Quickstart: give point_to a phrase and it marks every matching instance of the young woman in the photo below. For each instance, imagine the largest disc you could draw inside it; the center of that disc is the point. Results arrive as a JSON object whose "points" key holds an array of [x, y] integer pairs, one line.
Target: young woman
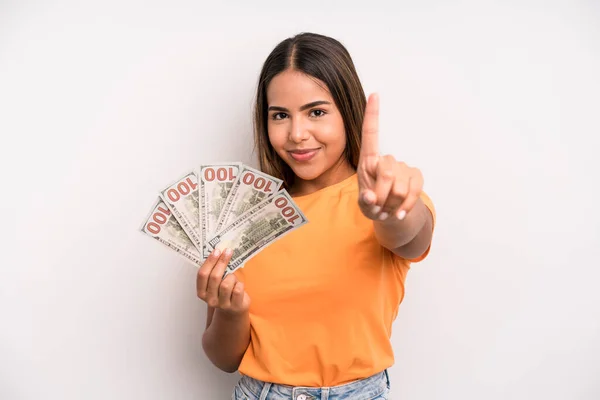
{"points": [[310, 317]]}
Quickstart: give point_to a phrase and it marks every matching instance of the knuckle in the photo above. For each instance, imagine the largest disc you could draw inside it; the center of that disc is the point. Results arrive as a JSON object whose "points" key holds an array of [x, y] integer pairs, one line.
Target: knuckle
{"points": [[215, 279], [225, 287], [398, 192], [204, 275], [387, 174], [399, 189]]}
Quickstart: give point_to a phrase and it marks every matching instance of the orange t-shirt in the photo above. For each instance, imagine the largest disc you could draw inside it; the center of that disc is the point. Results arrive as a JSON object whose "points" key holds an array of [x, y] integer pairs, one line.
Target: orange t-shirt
{"points": [[323, 297]]}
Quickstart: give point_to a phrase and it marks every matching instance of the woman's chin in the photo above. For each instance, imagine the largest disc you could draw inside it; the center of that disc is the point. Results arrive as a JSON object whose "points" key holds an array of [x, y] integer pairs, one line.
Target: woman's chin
{"points": [[307, 173]]}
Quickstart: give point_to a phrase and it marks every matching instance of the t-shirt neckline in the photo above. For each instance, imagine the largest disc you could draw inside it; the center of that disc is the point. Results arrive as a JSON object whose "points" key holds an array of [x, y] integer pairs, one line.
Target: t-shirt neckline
{"points": [[339, 185]]}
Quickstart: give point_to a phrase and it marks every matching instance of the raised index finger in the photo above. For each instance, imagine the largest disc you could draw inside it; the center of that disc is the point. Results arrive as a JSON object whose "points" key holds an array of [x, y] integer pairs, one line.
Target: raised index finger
{"points": [[370, 130]]}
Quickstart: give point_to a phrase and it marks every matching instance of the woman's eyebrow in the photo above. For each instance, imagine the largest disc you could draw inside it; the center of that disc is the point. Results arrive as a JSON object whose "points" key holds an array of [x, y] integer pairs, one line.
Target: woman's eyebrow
{"points": [[304, 107]]}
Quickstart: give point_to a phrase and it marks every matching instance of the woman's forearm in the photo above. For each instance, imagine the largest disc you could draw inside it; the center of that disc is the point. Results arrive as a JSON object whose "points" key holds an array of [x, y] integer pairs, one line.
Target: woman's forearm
{"points": [[226, 339]]}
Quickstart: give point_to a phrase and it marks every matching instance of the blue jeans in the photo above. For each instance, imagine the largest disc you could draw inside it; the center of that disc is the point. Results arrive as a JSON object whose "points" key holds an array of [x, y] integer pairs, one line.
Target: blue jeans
{"points": [[371, 388]]}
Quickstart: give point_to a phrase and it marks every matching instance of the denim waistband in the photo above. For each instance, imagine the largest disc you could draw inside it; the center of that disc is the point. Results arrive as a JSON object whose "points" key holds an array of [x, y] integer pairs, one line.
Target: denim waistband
{"points": [[360, 389]]}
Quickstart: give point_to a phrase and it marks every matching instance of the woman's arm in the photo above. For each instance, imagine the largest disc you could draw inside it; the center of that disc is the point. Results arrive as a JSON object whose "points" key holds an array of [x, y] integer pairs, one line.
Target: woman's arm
{"points": [[226, 338], [227, 333], [389, 194], [408, 238]]}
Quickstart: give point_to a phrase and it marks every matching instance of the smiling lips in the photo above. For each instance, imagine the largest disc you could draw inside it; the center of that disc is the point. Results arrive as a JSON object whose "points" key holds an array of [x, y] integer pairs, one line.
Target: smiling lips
{"points": [[303, 155]]}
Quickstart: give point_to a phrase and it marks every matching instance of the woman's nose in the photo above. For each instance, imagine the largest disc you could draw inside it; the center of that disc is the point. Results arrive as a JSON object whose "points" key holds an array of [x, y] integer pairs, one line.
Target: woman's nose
{"points": [[298, 131]]}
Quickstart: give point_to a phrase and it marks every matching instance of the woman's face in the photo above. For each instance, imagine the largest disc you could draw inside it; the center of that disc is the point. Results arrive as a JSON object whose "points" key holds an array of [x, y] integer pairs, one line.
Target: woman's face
{"points": [[305, 127]]}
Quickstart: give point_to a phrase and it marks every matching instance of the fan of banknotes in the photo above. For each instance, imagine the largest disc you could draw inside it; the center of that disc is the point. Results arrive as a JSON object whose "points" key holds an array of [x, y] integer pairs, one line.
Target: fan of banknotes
{"points": [[222, 205]]}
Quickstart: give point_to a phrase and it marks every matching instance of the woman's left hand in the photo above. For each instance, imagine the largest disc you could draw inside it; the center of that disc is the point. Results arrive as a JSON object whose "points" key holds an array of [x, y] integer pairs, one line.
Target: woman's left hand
{"points": [[387, 188]]}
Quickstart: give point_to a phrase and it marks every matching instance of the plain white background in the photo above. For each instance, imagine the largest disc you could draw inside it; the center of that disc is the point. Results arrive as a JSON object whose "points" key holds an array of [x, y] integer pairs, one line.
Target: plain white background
{"points": [[104, 103]]}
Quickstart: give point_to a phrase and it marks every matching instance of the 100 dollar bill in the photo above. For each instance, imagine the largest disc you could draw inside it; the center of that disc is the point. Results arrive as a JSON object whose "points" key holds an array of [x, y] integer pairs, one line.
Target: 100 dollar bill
{"points": [[250, 188], [216, 181], [257, 228], [181, 198], [161, 225]]}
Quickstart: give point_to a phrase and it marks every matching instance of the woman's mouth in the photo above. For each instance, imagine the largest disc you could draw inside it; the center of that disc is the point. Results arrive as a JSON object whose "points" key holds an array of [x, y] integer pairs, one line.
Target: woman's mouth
{"points": [[303, 155]]}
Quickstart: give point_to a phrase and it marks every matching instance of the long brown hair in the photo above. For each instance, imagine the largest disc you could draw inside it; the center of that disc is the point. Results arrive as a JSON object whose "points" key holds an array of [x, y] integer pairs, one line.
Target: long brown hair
{"points": [[323, 58]]}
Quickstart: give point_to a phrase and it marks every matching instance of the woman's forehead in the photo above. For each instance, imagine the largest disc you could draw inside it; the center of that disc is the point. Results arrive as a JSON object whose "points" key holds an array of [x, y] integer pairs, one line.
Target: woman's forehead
{"points": [[293, 86]]}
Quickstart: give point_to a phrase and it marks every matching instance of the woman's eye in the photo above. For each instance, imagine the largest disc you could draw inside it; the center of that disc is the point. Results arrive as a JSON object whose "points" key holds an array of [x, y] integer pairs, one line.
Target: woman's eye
{"points": [[317, 113], [279, 115]]}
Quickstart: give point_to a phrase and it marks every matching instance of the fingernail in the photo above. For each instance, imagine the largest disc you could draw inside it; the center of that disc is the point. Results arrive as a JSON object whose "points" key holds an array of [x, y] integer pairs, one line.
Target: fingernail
{"points": [[401, 214], [228, 252], [217, 252], [375, 209], [383, 216]]}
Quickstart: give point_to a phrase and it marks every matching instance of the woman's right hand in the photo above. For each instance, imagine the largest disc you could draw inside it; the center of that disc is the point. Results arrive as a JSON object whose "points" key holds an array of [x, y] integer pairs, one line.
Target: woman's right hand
{"points": [[226, 294]]}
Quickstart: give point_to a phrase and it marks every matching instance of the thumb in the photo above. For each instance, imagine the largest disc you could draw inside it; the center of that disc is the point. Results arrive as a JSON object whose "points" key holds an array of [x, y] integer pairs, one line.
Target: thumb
{"points": [[367, 197]]}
